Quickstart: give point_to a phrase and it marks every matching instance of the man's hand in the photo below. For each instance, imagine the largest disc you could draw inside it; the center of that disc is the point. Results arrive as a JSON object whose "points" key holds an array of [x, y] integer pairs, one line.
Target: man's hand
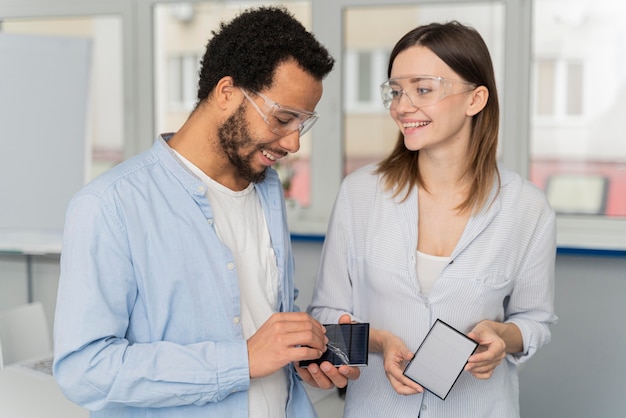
{"points": [[326, 375], [284, 338]]}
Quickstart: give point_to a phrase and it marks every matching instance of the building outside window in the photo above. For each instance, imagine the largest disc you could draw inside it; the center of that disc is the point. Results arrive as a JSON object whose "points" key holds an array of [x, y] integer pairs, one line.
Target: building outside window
{"points": [[577, 143]]}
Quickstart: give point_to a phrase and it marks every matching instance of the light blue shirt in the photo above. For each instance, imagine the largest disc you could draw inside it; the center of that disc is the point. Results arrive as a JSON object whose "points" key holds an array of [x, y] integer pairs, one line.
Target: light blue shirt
{"points": [[148, 311], [502, 269]]}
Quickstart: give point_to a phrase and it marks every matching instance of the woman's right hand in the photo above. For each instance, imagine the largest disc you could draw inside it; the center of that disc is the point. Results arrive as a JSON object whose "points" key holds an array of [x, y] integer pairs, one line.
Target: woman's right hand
{"points": [[396, 355]]}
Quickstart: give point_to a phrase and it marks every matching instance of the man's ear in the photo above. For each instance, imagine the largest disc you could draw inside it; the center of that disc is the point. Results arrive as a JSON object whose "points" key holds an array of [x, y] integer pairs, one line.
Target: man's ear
{"points": [[480, 95], [224, 93]]}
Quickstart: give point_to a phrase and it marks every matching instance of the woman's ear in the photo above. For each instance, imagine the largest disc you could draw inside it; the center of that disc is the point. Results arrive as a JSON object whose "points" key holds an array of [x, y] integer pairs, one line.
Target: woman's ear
{"points": [[223, 93], [480, 95]]}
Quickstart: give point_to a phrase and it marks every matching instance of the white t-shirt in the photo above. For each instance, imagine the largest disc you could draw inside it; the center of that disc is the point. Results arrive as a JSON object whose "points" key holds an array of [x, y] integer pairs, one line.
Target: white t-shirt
{"points": [[428, 268], [240, 225]]}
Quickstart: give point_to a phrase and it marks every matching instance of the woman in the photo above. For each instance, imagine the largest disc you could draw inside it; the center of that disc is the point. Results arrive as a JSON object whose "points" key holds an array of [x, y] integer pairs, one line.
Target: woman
{"points": [[438, 231]]}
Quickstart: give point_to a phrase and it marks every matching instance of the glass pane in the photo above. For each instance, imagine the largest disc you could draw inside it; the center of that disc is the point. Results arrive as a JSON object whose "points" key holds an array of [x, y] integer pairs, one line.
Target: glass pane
{"points": [[545, 90], [575, 88], [105, 128], [371, 32], [365, 77], [578, 147], [181, 32]]}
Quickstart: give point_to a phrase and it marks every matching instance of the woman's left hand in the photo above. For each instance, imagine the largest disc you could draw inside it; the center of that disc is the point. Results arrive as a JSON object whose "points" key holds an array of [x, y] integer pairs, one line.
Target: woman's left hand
{"points": [[490, 352]]}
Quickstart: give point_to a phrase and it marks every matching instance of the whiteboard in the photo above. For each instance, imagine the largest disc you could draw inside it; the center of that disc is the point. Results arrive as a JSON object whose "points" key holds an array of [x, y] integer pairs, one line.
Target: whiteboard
{"points": [[43, 108]]}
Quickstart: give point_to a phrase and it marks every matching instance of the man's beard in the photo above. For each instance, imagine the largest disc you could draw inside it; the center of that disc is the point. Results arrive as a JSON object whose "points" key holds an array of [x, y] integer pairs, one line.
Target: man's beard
{"points": [[234, 137]]}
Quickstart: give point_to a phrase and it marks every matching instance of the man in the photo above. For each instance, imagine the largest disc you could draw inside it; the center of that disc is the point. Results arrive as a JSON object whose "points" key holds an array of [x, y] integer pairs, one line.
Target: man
{"points": [[176, 290]]}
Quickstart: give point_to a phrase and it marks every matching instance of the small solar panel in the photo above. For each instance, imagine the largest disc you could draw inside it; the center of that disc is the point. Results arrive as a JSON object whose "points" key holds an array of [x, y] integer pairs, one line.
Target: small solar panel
{"points": [[348, 344]]}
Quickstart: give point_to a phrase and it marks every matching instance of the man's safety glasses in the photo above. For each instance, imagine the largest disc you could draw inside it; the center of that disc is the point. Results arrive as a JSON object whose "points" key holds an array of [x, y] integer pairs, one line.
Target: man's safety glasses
{"points": [[282, 120], [420, 90]]}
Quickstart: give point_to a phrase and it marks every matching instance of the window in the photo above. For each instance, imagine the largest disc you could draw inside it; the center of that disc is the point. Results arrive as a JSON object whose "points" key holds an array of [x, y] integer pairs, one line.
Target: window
{"points": [[370, 33], [561, 69], [544, 102], [559, 89], [182, 76], [574, 88], [560, 64], [363, 72], [105, 129], [577, 147]]}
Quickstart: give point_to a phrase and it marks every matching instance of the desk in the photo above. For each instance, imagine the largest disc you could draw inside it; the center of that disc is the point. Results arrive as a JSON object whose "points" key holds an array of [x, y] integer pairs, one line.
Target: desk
{"points": [[29, 243], [29, 394]]}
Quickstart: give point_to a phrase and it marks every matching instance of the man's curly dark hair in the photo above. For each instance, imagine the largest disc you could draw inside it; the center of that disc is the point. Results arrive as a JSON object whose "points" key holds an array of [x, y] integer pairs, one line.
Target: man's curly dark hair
{"points": [[250, 47]]}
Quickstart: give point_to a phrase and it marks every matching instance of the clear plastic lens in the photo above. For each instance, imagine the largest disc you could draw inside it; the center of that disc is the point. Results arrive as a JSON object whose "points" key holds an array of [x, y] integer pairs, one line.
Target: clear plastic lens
{"points": [[283, 120], [287, 121], [420, 91]]}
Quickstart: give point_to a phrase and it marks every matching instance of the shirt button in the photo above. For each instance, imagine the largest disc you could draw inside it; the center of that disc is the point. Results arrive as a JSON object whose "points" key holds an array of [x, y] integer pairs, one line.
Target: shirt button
{"points": [[201, 189], [231, 266], [236, 320], [210, 221], [424, 407]]}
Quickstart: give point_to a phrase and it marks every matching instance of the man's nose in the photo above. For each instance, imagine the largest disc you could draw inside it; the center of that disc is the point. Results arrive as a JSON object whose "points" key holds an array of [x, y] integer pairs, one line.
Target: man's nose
{"points": [[291, 142]]}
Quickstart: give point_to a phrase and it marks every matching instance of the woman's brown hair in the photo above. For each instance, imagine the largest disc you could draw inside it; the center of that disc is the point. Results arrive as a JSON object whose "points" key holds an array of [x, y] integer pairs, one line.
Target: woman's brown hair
{"points": [[465, 52]]}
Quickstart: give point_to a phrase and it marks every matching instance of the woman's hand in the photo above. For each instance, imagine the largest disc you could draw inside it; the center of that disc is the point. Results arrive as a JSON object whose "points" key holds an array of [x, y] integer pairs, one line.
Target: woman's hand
{"points": [[496, 339], [396, 355]]}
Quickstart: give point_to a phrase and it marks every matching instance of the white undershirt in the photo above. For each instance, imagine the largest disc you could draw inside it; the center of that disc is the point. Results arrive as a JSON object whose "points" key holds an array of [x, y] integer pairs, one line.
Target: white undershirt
{"points": [[240, 225], [428, 268]]}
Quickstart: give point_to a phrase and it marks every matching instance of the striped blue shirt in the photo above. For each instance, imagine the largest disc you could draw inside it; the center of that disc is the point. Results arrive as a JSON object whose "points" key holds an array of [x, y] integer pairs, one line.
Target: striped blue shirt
{"points": [[502, 269]]}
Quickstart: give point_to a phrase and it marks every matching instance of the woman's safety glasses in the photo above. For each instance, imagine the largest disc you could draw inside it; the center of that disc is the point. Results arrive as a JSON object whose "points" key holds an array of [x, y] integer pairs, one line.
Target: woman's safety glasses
{"points": [[420, 90]]}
